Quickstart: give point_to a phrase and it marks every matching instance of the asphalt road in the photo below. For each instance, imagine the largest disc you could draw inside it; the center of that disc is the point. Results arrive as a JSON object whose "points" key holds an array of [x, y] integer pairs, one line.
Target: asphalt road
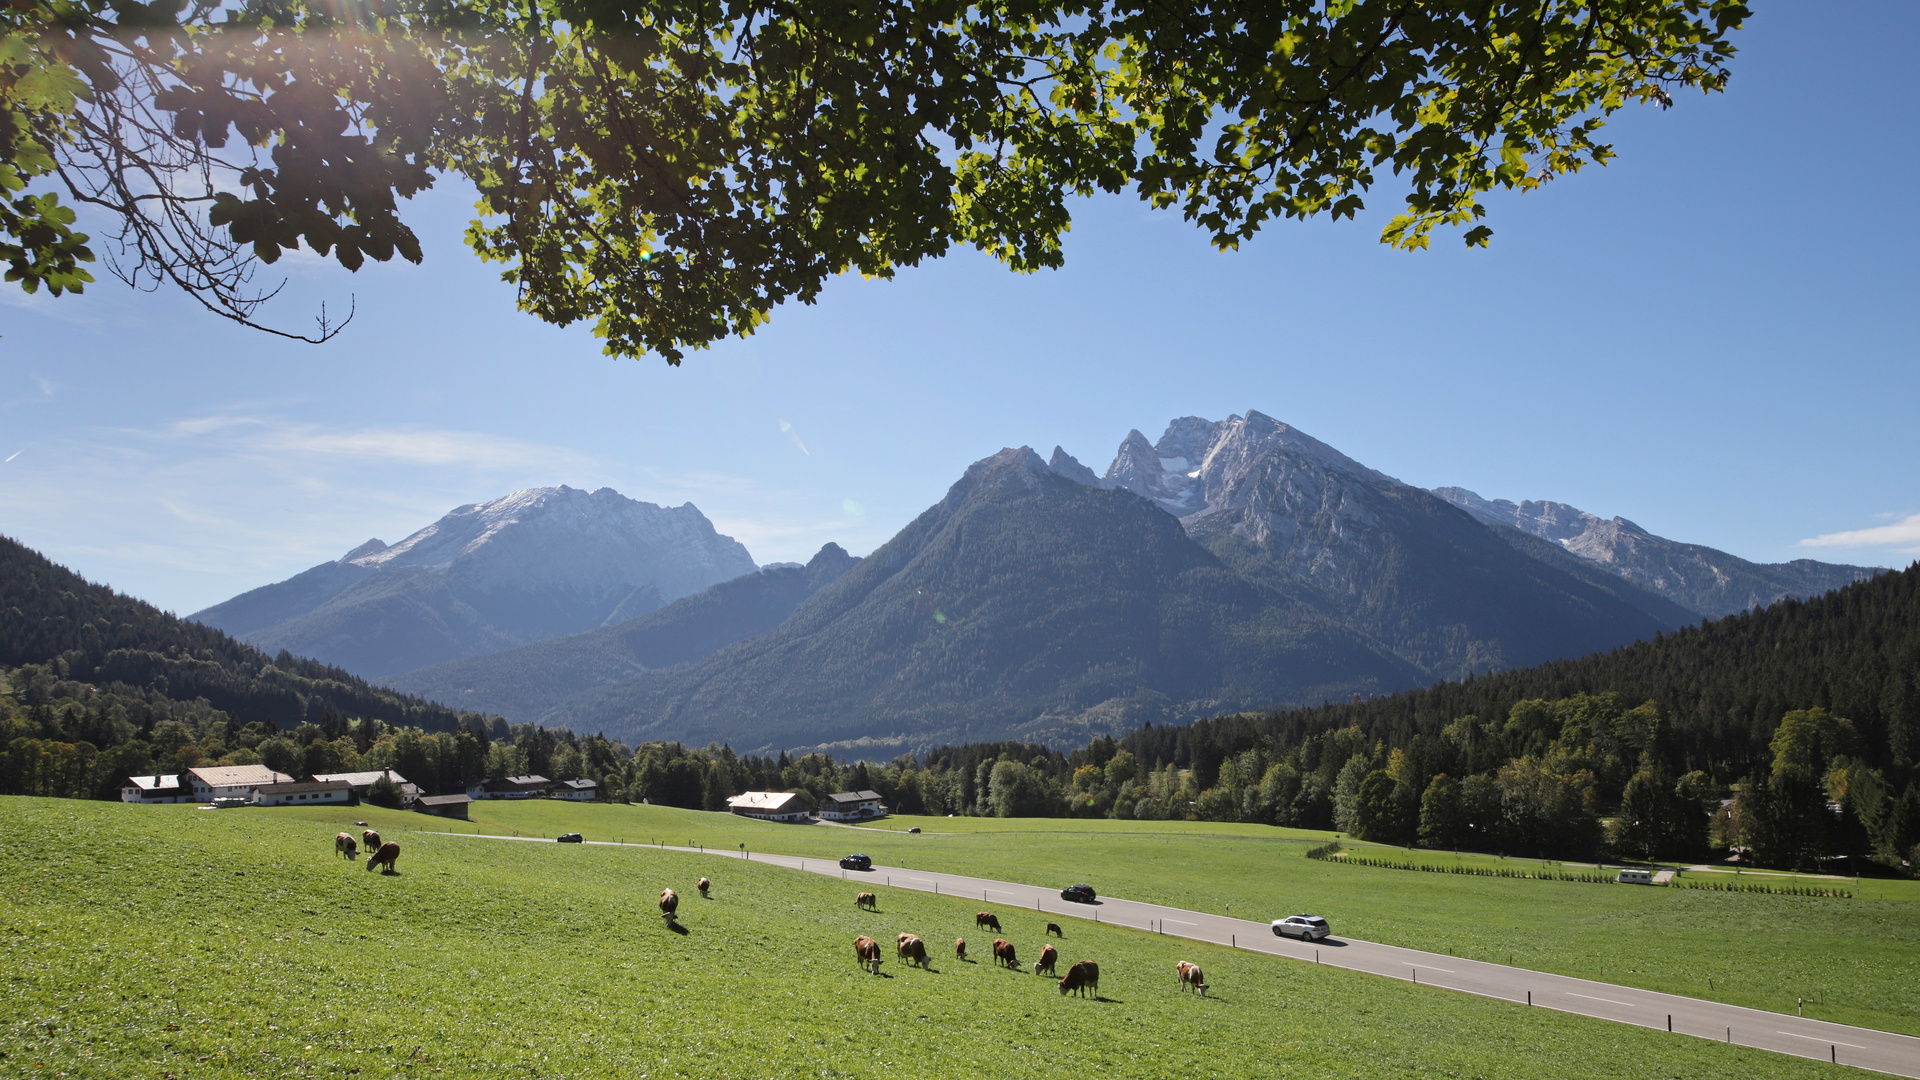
{"points": [[1865, 1048]]}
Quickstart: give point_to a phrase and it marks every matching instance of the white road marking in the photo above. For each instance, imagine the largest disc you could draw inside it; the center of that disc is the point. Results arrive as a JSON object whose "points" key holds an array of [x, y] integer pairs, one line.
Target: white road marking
{"points": [[1182, 922], [1429, 967], [1816, 1038], [1609, 1001]]}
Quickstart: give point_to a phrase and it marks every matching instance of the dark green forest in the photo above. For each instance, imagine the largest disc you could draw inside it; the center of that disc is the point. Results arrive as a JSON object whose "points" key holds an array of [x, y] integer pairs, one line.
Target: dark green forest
{"points": [[49, 614]]}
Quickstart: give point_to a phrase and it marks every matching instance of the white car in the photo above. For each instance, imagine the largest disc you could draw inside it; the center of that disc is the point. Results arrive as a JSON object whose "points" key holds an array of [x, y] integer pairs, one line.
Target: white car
{"points": [[1304, 927]]}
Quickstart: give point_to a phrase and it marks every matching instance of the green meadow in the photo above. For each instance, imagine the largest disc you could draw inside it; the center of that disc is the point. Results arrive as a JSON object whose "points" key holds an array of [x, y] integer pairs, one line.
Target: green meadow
{"points": [[1854, 961], [173, 943]]}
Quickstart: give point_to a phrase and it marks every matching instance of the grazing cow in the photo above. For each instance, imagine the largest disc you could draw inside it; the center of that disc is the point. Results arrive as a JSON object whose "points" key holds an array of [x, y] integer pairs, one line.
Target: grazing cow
{"points": [[388, 856], [704, 886], [1083, 976], [1191, 977], [343, 845], [960, 948], [866, 952], [371, 839], [1003, 954], [669, 904], [987, 919], [867, 900], [1044, 965], [910, 948], [1054, 929]]}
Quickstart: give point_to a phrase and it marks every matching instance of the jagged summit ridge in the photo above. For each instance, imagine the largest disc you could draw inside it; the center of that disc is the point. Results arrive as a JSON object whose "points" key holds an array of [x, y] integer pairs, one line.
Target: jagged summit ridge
{"points": [[1702, 579], [1201, 466]]}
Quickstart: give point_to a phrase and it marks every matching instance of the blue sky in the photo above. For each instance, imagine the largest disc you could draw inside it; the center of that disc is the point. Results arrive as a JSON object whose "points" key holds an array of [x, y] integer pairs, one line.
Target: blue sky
{"points": [[1713, 336]]}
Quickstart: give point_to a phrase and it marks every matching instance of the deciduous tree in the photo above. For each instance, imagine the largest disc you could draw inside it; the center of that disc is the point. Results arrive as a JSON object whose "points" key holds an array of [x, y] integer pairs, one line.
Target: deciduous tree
{"points": [[671, 171]]}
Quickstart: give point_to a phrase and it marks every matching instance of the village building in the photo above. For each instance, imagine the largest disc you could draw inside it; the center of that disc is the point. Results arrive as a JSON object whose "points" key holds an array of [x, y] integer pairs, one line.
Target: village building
{"points": [[513, 787], [233, 783], [770, 806], [447, 806], [576, 790], [303, 793], [155, 789], [860, 805], [362, 782]]}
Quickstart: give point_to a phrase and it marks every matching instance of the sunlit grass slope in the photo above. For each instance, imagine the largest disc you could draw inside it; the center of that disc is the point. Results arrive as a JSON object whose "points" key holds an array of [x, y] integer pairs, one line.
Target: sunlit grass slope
{"points": [[1855, 961], [157, 942]]}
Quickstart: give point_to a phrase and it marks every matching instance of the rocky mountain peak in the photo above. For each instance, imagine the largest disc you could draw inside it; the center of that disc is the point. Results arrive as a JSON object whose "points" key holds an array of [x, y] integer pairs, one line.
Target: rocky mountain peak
{"points": [[1069, 466], [371, 547]]}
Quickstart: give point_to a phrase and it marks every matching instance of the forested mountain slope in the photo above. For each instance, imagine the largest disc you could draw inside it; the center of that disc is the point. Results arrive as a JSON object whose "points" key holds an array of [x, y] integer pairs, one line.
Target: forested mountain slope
{"points": [[1723, 686], [1024, 604], [50, 614], [522, 684]]}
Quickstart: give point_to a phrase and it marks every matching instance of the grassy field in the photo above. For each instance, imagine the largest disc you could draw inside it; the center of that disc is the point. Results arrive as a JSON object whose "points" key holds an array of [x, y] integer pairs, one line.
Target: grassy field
{"points": [[174, 943], [1854, 961]]}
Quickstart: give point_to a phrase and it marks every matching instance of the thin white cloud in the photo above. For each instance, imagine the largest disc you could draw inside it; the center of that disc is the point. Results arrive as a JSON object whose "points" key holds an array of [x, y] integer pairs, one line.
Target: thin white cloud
{"points": [[403, 446], [1903, 536]]}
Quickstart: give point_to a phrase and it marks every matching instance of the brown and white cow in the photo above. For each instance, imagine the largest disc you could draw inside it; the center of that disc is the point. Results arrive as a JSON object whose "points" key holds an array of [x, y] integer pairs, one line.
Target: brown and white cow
{"points": [[1054, 929], [960, 948], [388, 856], [370, 839], [867, 900], [1044, 965], [669, 904], [988, 919], [343, 845], [910, 948], [704, 886], [866, 952], [1083, 976], [1003, 954], [1191, 977]]}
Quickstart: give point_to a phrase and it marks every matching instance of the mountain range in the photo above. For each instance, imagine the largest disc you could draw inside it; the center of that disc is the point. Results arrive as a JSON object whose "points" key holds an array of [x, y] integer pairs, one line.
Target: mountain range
{"points": [[531, 566], [1229, 565]]}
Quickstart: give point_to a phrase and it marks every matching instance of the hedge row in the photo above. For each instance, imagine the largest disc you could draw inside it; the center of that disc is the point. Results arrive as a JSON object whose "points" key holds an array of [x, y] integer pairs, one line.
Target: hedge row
{"points": [[1326, 852]]}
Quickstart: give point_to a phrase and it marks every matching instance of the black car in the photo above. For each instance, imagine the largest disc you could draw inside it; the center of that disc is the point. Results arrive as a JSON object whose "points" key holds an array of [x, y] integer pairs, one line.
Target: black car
{"points": [[1079, 894], [856, 862], [569, 838]]}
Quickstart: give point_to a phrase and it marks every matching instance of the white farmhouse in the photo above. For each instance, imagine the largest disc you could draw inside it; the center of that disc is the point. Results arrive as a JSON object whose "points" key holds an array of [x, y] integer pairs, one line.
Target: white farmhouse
{"points": [[576, 790], [769, 805], [304, 793], [860, 805], [155, 789], [232, 781]]}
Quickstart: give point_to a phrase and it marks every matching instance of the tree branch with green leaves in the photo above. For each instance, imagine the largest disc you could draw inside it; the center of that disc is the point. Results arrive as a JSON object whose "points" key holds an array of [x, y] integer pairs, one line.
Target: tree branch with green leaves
{"points": [[672, 172]]}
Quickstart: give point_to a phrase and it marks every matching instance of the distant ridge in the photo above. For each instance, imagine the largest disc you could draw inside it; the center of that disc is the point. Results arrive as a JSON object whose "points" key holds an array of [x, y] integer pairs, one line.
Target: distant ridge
{"points": [[532, 565], [523, 684], [1701, 579]]}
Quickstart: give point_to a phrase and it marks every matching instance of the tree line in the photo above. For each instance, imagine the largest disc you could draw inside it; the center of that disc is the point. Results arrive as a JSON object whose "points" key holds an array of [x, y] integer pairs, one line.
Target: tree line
{"points": [[1574, 778]]}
